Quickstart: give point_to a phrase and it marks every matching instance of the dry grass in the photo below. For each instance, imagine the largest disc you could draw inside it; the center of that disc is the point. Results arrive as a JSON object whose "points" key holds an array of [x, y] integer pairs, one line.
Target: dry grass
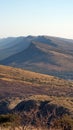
{"points": [[66, 102], [29, 128], [19, 84], [10, 74]]}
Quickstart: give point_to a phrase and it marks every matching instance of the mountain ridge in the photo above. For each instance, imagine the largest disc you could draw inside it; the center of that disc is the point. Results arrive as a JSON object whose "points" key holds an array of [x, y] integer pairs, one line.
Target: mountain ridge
{"points": [[43, 54]]}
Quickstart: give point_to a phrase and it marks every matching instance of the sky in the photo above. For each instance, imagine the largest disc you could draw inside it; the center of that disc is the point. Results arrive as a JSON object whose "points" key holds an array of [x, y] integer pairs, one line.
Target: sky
{"points": [[36, 17]]}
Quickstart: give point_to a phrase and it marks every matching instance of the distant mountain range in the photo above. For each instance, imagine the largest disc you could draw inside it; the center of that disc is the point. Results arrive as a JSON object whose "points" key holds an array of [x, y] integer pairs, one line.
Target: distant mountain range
{"points": [[44, 54]]}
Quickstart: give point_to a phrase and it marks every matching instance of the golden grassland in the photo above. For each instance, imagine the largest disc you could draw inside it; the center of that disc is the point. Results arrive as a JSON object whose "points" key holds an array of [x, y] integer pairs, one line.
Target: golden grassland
{"points": [[42, 84], [20, 82], [66, 102], [10, 74]]}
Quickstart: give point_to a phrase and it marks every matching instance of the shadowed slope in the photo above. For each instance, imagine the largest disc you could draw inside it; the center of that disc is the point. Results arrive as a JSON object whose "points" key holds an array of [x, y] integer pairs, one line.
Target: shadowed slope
{"points": [[47, 55]]}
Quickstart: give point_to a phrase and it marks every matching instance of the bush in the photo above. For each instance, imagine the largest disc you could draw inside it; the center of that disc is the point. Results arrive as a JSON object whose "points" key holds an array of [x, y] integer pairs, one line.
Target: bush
{"points": [[65, 122]]}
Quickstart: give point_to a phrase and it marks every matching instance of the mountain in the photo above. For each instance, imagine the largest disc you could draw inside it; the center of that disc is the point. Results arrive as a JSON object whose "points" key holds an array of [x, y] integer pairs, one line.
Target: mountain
{"points": [[11, 46], [43, 54]]}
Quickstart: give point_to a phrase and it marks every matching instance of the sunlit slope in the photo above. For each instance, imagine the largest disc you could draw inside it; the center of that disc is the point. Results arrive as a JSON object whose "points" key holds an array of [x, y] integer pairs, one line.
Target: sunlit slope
{"points": [[18, 82]]}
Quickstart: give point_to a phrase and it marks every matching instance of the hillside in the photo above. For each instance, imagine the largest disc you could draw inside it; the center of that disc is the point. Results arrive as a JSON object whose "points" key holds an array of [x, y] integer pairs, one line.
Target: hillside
{"points": [[12, 46], [43, 54], [41, 99], [20, 82]]}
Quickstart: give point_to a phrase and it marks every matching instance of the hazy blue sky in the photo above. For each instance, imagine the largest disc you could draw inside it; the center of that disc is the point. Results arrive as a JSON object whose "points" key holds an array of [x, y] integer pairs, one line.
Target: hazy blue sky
{"points": [[36, 17]]}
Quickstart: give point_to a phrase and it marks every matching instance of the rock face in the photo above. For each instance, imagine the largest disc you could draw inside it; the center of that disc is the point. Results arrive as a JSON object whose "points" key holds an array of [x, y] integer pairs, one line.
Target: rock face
{"points": [[26, 106], [35, 114], [42, 112], [4, 107], [41, 107]]}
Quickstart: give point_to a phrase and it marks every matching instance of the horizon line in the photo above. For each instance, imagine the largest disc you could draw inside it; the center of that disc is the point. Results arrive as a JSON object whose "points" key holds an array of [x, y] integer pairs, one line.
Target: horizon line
{"points": [[52, 36]]}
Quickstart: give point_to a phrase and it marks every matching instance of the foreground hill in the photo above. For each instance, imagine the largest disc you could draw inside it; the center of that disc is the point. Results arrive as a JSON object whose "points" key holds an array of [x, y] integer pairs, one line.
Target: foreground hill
{"points": [[22, 84], [18, 82], [33, 100], [47, 55], [37, 112]]}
